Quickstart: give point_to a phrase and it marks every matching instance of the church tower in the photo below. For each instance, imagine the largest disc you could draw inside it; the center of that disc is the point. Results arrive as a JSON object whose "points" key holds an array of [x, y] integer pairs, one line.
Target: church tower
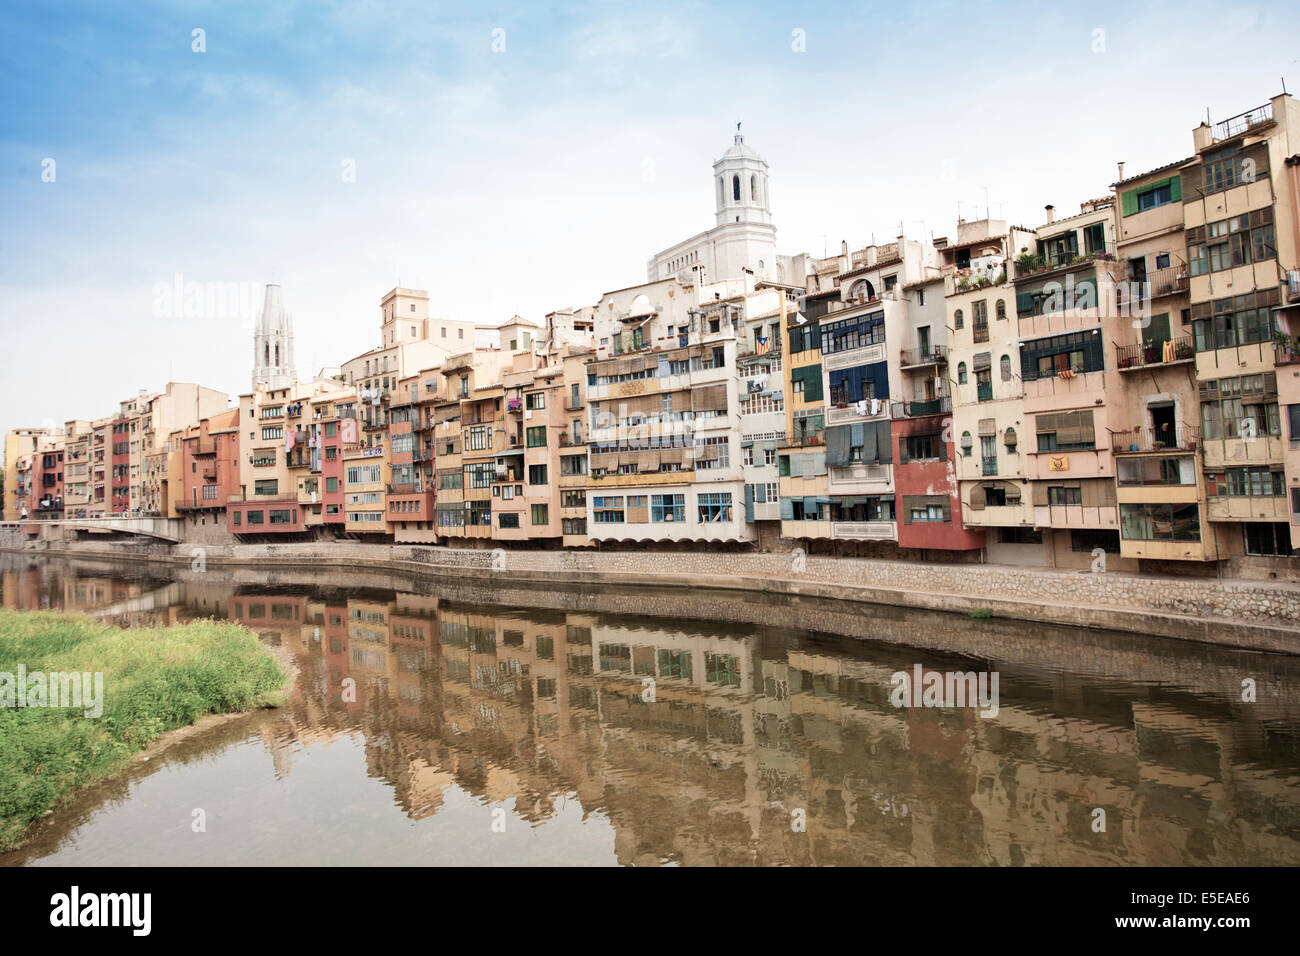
{"points": [[740, 184], [273, 365]]}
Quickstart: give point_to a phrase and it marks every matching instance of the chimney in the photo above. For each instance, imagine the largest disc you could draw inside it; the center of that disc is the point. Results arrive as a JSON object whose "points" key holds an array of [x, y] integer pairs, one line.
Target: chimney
{"points": [[1051, 212], [1121, 172]]}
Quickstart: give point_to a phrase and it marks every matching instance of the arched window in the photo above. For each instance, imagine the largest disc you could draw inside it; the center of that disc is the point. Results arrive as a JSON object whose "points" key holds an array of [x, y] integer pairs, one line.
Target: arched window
{"points": [[961, 373], [753, 188], [966, 443], [958, 320], [1002, 308], [277, 355], [722, 191], [1005, 367], [735, 188], [267, 353]]}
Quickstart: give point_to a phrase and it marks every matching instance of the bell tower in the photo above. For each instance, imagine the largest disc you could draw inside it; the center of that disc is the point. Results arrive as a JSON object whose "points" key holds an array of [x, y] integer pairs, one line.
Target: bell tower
{"points": [[740, 185], [273, 365]]}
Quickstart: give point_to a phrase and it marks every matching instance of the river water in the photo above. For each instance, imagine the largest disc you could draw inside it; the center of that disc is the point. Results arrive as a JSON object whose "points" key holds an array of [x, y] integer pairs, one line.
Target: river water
{"points": [[450, 723]]}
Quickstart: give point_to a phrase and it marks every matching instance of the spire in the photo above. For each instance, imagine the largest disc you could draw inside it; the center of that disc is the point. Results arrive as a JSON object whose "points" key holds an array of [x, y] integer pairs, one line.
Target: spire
{"points": [[273, 365]]}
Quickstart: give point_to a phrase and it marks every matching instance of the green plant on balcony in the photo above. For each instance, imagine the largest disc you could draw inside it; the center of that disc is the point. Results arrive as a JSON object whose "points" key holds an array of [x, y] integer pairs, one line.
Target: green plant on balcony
{"points": [[1028, 262], [1001, 277], [963, 282], [1183, 350]]}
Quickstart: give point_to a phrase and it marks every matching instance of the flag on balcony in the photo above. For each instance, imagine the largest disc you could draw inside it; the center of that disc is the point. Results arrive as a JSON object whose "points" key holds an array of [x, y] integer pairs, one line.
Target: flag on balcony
{"points": [[1167, 351], [762, 345]]}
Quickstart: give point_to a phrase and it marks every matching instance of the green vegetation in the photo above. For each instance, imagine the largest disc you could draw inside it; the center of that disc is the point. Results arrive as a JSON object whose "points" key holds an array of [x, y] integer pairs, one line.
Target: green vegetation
{"points": [[154, 680], [982, 613]]}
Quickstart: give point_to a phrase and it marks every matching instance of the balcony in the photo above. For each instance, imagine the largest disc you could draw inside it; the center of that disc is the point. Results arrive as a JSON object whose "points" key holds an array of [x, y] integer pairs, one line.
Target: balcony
{"points": [[1242, 122], [864, 530], [1131, 358], [1155, 285], [915, 358], [984, 391], [989, 467], [1142, 440], [1286, 353], [936, 406]]}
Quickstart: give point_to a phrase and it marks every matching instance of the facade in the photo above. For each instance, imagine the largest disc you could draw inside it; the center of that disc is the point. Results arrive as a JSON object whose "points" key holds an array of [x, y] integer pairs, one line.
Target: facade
{"points": [[1123, 382]]}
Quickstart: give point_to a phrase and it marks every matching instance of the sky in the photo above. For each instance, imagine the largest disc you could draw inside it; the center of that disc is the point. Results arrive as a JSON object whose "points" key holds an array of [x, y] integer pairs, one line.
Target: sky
{"points": [[516, 159]]}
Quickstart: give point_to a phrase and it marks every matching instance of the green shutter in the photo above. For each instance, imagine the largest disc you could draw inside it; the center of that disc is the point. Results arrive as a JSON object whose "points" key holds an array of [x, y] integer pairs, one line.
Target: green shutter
{"points": [[1129, 201], [812, 383], [1176, 188]]}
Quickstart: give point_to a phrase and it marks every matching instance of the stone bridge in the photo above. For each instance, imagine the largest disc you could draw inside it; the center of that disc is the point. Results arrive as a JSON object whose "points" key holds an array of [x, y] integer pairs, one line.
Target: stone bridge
{"points": [[164, 529]]}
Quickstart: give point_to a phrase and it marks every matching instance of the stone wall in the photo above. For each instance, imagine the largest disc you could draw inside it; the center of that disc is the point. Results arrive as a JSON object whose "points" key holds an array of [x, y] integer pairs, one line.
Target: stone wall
{"points": [[1237, 613]]}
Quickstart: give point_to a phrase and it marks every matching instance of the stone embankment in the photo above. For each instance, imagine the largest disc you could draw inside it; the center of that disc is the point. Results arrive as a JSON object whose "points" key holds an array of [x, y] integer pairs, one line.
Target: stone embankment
{"points": [[1251, 614]]}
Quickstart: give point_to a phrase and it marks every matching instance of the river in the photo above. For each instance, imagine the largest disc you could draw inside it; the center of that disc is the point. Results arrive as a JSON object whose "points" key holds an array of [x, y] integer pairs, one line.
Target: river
{"points": [[447, 723]]}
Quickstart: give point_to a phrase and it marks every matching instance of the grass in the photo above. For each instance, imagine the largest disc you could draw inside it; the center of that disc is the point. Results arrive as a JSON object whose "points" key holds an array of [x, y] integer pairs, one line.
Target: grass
{"points": [[155, 680], [982, 613]]}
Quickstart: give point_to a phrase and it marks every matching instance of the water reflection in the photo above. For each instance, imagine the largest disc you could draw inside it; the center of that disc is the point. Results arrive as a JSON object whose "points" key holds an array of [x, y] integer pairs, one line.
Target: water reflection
{"points": [[637, 740]]}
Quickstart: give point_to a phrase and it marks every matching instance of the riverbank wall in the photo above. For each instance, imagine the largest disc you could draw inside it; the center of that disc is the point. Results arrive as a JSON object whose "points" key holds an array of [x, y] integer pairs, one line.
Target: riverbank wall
{"points": [[1243, 614]]}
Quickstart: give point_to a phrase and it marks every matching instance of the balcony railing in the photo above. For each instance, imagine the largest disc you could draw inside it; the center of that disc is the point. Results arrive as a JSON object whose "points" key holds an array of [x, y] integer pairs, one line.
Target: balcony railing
{"points": [[1154, 285], [1236, 125], [1286, 353], [1137, 440], [1142, 354], [936, 355], [935, 406]]}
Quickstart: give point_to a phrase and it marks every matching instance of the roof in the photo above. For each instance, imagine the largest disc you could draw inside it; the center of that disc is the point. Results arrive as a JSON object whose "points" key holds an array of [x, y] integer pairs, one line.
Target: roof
{"points": [[1152, 172]]}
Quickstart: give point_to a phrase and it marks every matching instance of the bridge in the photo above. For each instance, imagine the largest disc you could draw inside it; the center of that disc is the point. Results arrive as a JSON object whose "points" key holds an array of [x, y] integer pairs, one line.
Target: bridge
{"points": [[164, 529]]}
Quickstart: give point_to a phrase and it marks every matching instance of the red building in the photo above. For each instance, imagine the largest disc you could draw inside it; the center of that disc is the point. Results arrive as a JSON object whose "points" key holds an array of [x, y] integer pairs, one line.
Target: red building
{"points": [[47, 484], [120, 461], [210, 464], [925, 476]]}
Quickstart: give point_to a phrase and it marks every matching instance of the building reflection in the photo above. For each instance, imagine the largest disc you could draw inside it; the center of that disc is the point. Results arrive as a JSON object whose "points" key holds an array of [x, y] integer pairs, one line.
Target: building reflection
{"points": [[701, 746], [709, 744]]}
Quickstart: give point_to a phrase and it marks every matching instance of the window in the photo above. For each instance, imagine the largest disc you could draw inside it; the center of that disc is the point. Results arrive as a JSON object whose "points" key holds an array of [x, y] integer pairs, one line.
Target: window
{"points": [[508, 520], [238, 516], [1268, 538], [607, 510], [1155, 471], [1073, 352], [1241, 406], [272, 432], [480, 474], [1233, 242], [535, 401], [480, 438], [919, 448], [331, 485], [266, 486], [573, 525], [714, 506], [282, 516], [1236, 321], [537, 474], [573, 499], [980, 320], [1252, 482], [853, 333], [1151, 198], [255, 517], [958, 320], [1004, 368], [536, 436], [1002, 308], [989, 454], [1066, 431], [540, 514], [1160, 522], [1064, 495], [961, 373], [667, 508], [364, 474]]}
